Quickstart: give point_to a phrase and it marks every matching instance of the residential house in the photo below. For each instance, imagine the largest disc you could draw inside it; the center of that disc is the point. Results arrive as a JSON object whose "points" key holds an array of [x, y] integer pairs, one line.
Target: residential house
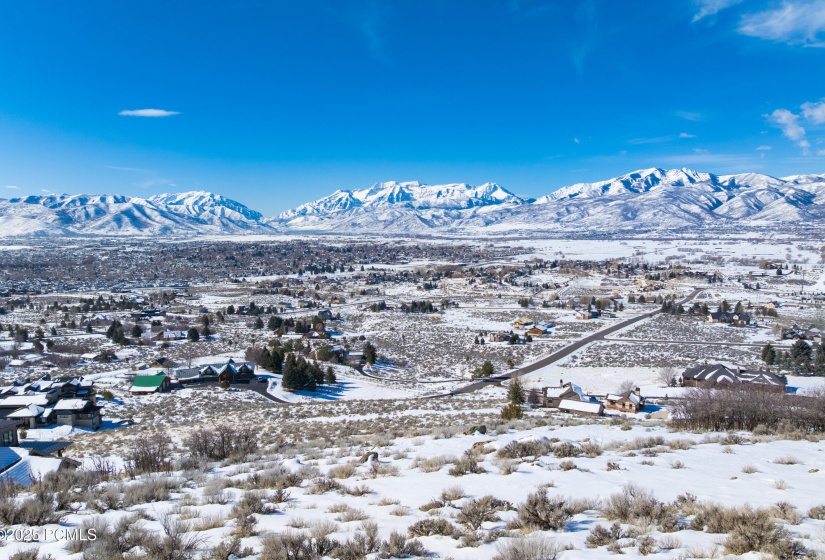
{"points": [[716, 375], [163, 363], [499, 337], [729, 318], [552, 396], [632, 401], [523, 323], [230, 371], [78, 412], [579, 407], [29, 462], [13, 403], [587, 314], [148, 384], [33, 416]]}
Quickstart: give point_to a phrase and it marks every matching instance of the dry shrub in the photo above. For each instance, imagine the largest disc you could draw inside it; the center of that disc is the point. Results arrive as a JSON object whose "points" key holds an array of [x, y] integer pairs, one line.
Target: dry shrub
{"points": [[599, 536], [746, 407], [452, 493], [433, 464], [323, 485], [528, 548], [432, 526], [475, 512], [467, 464], [222, 441], [521, 449], [278, 478], [638, 506], [566, 449], [345, 470], [542, 513], [817, 512]]}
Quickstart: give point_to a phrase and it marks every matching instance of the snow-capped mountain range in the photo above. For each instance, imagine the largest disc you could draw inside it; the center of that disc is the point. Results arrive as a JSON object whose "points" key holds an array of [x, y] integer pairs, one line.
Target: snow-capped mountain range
{"points": [[165, 214], [650, 199]]}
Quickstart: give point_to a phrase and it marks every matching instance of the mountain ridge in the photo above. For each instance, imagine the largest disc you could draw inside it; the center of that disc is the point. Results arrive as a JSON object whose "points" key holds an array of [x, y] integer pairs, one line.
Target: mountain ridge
{"points": [[646, 199]]}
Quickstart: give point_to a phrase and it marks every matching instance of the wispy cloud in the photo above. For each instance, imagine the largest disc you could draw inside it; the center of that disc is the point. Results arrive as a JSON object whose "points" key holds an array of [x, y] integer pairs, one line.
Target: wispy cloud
{"points": [[763, 148], [577, 141], [788, 123], [147, 113], [135, 169], [660, 139], [585, 17], [689, 115], [654, 140], [814, 112], [795, 22], [820, 152], [711, 7], [12, 187], [700, 151]]}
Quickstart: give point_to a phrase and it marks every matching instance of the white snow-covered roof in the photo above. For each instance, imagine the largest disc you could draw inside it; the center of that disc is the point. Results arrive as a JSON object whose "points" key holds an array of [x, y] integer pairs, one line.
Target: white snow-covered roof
{"points": [[579, 406], [70, 404], [24, 400], [31, 411], [28, 467]]}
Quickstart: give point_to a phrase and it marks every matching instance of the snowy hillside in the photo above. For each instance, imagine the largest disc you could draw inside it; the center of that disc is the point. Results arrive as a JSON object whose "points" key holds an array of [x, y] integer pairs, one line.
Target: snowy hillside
{"points": [[167, 214]]}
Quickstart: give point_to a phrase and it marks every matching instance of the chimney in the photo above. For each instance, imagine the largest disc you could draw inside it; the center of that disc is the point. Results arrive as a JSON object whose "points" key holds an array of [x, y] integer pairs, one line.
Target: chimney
{"points": [[637, 391], [561, 382], [738, 370]]}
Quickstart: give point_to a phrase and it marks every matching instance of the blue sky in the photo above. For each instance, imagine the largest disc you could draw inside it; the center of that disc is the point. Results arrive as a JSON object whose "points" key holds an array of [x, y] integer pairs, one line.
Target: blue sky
{"points": [[276, 103]]}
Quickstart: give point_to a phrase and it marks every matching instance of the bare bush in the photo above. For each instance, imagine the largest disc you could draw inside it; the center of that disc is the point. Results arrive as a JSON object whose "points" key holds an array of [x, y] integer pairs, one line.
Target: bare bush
{"points": [[148, 454], [529, 548], [638, 506], [521, 449], [542, 513], [222, 441], [432, 526], [475, 512], [745, 408]]}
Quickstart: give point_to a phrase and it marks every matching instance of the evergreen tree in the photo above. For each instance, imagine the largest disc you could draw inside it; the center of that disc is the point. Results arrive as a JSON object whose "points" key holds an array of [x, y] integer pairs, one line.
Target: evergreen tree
{"points": [[819, 360], [259, 323], [192, 335], [316, 373], [515, 393], [769, 354], [369, 353], [290, 381], [801, 353], [329, 378], [136, 331], [739, 309]]}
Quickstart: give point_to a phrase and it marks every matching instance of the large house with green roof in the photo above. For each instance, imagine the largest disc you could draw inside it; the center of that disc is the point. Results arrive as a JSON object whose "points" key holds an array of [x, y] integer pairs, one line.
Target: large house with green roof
{"points": [[147, 384]]}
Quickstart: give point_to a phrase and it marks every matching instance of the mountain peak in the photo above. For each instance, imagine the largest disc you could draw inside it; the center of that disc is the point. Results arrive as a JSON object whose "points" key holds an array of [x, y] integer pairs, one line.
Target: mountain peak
{"points": [[408, 194]]}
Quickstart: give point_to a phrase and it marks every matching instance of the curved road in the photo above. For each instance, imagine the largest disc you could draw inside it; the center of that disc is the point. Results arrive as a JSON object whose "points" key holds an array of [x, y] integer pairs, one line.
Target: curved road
{"points": [[567, 350]]}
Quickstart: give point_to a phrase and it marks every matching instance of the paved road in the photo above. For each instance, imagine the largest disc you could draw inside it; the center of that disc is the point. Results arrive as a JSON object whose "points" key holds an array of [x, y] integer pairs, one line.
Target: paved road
{"points": [[567, 350]]}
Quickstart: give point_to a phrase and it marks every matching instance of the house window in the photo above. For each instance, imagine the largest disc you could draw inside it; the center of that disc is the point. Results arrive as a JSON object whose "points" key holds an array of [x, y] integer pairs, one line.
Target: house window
{"points": [[8, 438]]}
